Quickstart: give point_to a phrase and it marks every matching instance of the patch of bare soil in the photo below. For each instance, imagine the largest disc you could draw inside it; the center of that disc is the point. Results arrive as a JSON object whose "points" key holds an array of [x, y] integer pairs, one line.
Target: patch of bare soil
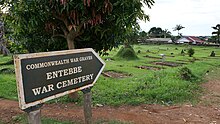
{"points": [[206, 112], [113, 74], [170, 64], [183, 61], [212, 93], [143, 114], [8, 110], [148, 67], [152, 57]]}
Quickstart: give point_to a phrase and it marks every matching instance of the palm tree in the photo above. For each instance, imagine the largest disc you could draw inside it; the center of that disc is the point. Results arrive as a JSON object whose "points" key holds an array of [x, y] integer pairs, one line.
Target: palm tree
{"points": [[166, 33], [217, 32], [178, 28]]}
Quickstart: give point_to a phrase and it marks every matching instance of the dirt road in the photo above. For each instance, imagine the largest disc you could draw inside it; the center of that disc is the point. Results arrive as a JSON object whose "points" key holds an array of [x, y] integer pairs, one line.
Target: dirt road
{"points": [[206, 112]]}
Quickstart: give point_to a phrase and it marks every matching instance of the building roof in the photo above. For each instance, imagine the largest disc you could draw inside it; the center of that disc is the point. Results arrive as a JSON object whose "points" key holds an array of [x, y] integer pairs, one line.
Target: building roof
{"points": [[159, 39], [190, 39], [194, 39]]}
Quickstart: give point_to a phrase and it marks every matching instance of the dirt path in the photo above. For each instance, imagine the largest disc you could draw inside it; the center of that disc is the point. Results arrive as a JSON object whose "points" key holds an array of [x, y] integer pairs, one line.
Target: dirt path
{"points": [[207, 112]]}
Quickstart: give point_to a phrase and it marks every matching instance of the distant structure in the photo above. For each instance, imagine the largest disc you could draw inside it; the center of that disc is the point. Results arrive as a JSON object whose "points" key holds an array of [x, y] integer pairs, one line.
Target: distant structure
{"points": [[156, 41], [189, 40]]}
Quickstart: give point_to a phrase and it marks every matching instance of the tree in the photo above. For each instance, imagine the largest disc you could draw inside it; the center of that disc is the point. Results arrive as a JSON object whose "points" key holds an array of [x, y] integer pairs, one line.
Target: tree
{"points": [[99, 24], [166, 33], [212, 39], [178, 28], [155, 32], [217, 32], [3, 49], [78, 22], [133, 36], [191, 51], [143, 34]]}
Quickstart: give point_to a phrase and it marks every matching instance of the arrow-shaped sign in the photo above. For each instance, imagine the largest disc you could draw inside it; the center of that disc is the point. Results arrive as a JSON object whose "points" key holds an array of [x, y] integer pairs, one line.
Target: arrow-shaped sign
{"points": [[45, 76]]}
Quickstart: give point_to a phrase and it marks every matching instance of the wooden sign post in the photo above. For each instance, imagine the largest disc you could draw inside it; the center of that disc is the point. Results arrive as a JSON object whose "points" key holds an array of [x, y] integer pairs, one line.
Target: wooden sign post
{"points": [[87, 101], [45, 76], [34, 114]]}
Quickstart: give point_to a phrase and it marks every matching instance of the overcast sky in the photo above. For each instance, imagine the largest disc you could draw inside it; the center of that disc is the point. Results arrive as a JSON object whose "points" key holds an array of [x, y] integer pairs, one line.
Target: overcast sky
{"points": [[197, 16]]}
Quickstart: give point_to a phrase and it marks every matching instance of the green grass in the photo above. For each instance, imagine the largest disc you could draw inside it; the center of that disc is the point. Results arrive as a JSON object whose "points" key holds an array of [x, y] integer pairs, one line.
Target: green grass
{"points": [[127, 53], [8, 88], [5, 62], [213, 74], [143, 86], [147, 86]]}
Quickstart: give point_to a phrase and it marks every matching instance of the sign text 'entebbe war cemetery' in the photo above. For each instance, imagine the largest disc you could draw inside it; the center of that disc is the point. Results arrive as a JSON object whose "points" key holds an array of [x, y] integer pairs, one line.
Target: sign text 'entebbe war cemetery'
{"points": [[45, 76]]}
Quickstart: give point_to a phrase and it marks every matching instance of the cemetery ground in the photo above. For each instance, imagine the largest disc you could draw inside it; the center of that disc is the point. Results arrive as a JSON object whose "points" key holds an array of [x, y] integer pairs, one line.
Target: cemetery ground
{"points": [[149, 89]]}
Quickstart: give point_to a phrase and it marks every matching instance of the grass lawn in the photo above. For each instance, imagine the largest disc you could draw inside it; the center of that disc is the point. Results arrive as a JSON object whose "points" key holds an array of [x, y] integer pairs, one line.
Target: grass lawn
{"points": [[8, 88], [162, 86]]}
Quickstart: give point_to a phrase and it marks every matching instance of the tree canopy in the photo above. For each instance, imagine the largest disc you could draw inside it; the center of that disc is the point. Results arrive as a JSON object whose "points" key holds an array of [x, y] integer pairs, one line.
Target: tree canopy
{"points": [[3, 49], [217, 32], [178, 28], [62, 24], [157, 32], [166, 33]]}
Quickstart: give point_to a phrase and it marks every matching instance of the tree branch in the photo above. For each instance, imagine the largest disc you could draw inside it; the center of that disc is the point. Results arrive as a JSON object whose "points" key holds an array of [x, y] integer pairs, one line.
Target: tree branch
{"points": [[77, 31], [65, 31], [58, 35], [64, 20]]}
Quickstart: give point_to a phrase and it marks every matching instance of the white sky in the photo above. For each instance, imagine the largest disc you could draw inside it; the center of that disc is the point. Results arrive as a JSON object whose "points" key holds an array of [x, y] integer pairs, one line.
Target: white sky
{"points": [[197, 16]]}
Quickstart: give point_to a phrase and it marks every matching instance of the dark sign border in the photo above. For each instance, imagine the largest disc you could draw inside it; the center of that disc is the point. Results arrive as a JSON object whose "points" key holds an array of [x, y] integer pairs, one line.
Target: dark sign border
{"points": [[19, 77]]}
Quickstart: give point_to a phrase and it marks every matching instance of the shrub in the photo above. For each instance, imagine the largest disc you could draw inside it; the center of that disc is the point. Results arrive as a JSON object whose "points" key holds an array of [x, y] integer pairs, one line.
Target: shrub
{"points": [[191, 51], [186, 74], [127, 53], [212, 54], [182, 52]]}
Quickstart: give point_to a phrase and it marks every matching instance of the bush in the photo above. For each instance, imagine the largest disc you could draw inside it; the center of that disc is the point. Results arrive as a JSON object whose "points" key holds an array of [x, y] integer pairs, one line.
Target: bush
{"points": [[212, 54], [182, 52], [186, 74], [127, 53], [191, 51]]}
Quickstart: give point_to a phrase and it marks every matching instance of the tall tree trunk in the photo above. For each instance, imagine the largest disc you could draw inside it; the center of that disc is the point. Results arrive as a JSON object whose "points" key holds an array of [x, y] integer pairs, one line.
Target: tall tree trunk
{"points": [[70, 36], [70, 41], [218, 37]]}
